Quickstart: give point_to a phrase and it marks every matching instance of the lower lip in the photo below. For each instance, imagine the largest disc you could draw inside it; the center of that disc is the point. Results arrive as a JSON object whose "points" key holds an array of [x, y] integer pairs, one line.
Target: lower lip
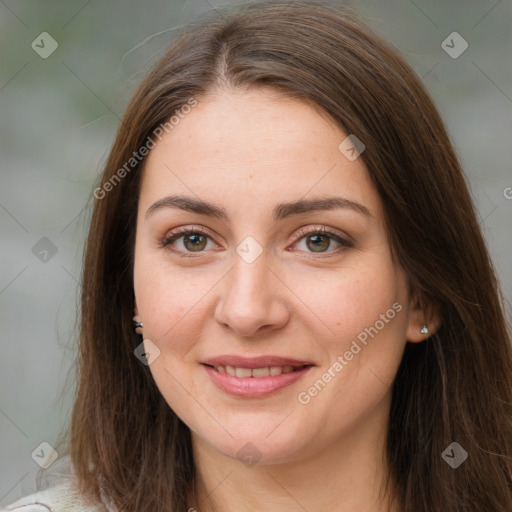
{"points": [[253, 387]]}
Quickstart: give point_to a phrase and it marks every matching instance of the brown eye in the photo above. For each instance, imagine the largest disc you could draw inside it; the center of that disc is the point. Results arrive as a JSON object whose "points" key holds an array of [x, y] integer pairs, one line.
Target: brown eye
{"points": [[318, 243], [195, 242], [188, 240]]}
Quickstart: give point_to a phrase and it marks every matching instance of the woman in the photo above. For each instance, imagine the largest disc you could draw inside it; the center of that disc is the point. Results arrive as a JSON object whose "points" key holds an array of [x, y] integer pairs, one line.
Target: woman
{"points": [[287, 300]]}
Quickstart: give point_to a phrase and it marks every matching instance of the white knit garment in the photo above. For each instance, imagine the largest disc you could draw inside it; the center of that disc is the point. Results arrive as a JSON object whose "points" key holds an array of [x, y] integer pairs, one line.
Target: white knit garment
{"points": [[60, 498]]}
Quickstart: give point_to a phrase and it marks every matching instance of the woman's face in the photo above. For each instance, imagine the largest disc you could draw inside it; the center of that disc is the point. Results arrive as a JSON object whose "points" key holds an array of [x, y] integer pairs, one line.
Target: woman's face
{"points": [[311, 324]]}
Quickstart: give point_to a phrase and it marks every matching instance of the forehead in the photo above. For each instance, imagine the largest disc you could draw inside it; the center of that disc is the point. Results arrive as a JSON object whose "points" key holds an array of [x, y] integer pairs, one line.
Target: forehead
{"points": [[255, 147]]}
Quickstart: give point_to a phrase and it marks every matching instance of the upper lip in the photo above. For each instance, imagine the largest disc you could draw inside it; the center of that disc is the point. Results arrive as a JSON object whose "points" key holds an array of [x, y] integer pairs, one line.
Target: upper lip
{"points": [[254, 362]]}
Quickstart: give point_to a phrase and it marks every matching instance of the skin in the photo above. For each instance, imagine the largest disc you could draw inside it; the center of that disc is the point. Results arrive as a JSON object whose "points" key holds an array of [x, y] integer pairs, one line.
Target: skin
{"points": [[246, 152]]}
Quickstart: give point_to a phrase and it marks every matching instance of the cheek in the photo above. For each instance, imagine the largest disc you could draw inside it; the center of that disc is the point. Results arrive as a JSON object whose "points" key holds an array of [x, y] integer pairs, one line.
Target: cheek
{"points": [[353, 300], [366, 309], [366, 312], [171, 300]]}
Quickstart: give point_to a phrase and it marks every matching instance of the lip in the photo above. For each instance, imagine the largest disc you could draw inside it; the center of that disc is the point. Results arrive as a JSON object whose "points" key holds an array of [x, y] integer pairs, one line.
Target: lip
{"points": [[254, 387], [254, 362]]}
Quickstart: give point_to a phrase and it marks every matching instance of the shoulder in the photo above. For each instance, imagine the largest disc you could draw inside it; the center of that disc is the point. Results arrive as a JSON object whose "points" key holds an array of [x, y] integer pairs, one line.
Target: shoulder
{"points": [[64, 497]]}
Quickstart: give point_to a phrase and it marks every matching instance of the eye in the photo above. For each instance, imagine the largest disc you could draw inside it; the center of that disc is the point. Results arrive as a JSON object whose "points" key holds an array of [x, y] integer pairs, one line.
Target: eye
{"points": [[187, 240], [320, 240]]}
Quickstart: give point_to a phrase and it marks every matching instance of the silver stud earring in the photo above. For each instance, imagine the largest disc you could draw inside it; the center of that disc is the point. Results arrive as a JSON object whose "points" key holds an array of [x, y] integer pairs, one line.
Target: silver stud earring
{"points": [[424, 330]]}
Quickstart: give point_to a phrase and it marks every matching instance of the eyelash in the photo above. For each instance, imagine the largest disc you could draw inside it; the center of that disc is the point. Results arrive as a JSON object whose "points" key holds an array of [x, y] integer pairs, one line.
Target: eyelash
{"points": [[180, 232]]}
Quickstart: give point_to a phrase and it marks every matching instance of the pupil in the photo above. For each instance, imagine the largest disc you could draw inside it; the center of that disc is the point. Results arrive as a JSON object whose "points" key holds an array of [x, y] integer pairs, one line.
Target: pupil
{"points": [[197, 242], [319, 242]]}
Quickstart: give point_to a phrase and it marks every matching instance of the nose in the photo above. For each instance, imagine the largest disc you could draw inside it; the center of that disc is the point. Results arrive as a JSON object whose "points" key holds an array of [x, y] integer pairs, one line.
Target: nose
{"points": [[253, 299]]}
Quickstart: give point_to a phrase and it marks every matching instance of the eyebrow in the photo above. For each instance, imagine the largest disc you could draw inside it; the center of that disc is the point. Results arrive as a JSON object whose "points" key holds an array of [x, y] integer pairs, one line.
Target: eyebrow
{"points": [[280, 211]]}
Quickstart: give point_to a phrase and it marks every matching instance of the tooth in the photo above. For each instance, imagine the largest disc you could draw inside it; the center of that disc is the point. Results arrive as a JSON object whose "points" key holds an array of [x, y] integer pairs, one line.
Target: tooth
{"points": [[256, 372], [261, 372], [243, 372], [275, 370]]}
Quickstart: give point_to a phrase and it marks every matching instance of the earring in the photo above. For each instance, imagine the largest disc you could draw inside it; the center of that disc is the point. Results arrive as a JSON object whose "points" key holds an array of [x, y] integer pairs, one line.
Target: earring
{"points": [[137, 326], [424, 330]]}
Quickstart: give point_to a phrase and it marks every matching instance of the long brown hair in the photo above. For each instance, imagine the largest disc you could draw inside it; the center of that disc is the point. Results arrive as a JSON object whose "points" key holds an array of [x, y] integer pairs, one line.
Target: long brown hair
{"points": [[454, 387]]}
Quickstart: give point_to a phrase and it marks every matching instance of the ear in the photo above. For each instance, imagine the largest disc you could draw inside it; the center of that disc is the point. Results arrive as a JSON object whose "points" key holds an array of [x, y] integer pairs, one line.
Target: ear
{"points": [[136, 316], [423, 312]]}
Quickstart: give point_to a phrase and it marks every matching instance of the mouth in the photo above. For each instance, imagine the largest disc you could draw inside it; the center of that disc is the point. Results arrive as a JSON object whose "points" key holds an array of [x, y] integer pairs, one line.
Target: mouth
{"points": [[256, 377], [264, 371]]}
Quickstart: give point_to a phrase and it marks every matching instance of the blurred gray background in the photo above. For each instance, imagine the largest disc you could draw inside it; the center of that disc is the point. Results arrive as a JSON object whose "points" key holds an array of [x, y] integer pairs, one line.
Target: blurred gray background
{"points": [[59, 113]]}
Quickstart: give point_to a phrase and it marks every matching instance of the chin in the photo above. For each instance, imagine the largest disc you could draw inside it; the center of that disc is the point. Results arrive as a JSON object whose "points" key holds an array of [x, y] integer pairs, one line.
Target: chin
{"points": [[261, 445]]}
